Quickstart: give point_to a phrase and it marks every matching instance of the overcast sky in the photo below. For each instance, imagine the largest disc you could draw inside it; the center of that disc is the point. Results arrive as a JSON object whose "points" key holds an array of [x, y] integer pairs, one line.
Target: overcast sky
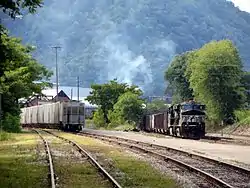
{"points": [[242, 4]]}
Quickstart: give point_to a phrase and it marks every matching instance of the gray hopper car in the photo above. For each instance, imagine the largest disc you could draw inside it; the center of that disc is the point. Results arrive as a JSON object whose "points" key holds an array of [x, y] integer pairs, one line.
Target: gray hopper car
{"points": [[68, 116]]}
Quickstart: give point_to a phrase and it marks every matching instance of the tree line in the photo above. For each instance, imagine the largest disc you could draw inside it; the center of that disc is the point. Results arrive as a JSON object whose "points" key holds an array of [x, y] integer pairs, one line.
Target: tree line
{"points": [[118, 103], [18, 69], [212, 75]]}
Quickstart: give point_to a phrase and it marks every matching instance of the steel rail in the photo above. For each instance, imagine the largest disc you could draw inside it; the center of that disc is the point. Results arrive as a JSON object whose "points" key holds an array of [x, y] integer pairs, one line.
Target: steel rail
{"points": [[51, 167], [192, 155], [206, 175], [83, 151]]}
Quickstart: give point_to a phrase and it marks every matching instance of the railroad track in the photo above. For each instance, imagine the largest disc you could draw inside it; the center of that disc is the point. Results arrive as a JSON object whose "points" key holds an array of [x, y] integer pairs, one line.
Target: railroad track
{"points": [[93, 161], [218, 173], [51, 174], [215, 138]]}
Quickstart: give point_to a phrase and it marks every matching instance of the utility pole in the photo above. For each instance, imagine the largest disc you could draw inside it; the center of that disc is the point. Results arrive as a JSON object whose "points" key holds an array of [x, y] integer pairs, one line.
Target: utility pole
{"points": [[71, 94], [56, 48], [78, 85]]}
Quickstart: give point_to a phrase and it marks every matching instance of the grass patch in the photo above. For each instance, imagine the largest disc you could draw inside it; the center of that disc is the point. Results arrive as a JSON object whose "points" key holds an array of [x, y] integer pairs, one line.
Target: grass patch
{"points": [[243, 117], [4, 136], [78, 175], [19, 165], [125, 127], [136, 173], [89, 123], [139, 173], [72, 169]]}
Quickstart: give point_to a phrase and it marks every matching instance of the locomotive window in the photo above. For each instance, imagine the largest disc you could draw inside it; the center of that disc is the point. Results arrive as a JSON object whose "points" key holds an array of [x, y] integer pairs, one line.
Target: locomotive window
{"points": [[197, 107], [187, 107], [193, 107]]}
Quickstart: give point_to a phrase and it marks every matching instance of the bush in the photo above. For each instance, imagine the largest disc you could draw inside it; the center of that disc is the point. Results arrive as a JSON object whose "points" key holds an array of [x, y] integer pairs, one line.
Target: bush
{"points": [[128, 108], [4, 136], [98, 118], [243, 117], [115, 118], [11, 123]]}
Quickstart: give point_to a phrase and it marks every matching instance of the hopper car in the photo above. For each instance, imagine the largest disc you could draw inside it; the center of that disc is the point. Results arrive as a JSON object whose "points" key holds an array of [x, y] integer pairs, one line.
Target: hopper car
{"points": [[68, 116], [186, 120]]}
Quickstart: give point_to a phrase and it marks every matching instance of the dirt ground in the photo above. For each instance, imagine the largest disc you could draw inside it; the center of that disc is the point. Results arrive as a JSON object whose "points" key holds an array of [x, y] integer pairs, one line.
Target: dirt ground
{"points": [[227, 152], [242, 130], [245, 131]]}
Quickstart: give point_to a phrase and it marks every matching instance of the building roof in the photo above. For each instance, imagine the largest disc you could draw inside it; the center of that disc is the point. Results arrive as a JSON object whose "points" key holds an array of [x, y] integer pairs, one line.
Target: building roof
{"points": [[83, 93]]}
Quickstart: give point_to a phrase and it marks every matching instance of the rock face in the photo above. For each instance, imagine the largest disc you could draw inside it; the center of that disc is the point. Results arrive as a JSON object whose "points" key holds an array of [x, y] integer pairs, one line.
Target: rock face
{"points": [[132, 40]]}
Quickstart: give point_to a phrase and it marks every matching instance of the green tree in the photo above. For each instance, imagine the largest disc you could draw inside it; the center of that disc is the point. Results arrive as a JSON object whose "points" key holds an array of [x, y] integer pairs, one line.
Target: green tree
{"points": [[98, 118], [246, 84], [16, 7], [175, 75], [128, 108], [18, 71], [106, 95], [156, 105], [215, 74]]}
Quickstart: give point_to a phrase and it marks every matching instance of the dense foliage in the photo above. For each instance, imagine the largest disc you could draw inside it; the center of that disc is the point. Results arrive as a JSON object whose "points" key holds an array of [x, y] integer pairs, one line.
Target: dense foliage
{"points": [[213, 75], [114, 100], [131, 40], [156, 105], [98, 118], [175, 75], [216, 73], [18, 69], [128, 108], [16, 7]]}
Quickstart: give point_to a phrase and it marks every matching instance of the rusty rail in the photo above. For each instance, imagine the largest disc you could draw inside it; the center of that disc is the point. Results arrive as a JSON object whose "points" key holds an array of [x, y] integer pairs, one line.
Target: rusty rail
{"points": [[206, 158], [82, 151], [52, 173], [206, 175]]}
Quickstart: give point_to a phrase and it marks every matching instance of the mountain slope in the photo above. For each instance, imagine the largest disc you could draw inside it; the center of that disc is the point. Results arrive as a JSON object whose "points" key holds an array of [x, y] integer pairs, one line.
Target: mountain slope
{"points": [[133, 40]]}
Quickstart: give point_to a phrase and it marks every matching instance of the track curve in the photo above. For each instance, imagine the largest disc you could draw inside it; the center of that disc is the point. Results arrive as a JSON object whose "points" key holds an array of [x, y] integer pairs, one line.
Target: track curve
{"points": [[217, 172]]}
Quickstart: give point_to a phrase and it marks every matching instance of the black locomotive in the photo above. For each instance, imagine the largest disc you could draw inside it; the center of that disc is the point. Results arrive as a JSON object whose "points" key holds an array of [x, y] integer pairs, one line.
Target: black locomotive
{"points": [[186, 120]]}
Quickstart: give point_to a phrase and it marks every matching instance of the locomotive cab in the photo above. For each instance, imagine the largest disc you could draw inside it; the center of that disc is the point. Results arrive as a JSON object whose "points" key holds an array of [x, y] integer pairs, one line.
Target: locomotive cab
{"points": [[192, 120], [187, 120]]}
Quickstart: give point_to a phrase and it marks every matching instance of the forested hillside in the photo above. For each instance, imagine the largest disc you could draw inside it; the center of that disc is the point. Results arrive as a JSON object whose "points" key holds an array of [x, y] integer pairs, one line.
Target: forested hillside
{"points": [[133, 40]]}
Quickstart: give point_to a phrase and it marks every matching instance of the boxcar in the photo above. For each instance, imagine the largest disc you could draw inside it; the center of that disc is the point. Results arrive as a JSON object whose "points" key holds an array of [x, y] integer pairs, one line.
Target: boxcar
{"points": [[64, 115]]}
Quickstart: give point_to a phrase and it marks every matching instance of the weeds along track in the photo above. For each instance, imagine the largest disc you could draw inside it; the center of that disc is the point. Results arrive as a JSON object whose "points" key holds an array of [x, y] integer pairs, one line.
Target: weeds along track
{"points": [[51, 174], [218, 173], [92, 160], [226, 140]]}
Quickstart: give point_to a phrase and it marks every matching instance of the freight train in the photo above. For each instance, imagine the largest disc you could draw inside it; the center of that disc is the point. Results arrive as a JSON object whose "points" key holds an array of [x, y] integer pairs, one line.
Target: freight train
{"points": [[186, 120], [68, 116]]}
